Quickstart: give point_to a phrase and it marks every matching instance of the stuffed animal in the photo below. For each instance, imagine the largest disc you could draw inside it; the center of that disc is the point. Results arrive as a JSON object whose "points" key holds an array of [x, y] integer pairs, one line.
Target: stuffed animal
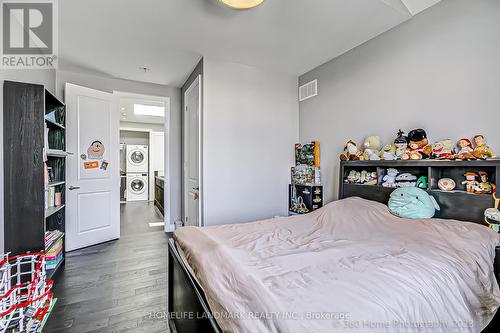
{"points": [[422, 182], [406, 180], [442, 150], [417, 141], [372, 148], [390, 178], [401, 143], [470, 181], [466, 151], [481, 150], [413, 203], [388, 152], [351, 152]]}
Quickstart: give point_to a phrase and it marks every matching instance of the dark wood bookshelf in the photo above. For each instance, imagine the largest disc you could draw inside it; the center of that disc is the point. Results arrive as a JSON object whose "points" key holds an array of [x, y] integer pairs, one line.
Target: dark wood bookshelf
{"points": [[28, 110], [459, 204]]}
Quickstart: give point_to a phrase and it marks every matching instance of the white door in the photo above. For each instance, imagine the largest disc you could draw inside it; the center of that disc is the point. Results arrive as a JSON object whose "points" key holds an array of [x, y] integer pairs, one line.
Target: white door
{"points": [[93, 177], [192, 135]]}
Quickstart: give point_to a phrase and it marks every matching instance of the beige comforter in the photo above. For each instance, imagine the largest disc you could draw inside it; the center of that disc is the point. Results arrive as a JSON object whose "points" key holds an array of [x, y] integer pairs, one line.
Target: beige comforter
{"points": [[350, 266]]}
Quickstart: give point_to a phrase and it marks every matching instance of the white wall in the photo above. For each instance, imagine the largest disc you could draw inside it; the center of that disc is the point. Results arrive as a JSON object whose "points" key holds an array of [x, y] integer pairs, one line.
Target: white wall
{"points": [[250, 124], [109, 85], [439, 71], [45, 77]]}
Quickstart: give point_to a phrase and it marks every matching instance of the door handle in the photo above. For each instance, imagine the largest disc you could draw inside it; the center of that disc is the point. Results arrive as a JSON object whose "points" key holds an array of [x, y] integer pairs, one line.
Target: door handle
{"points": [[194, 195], [71, 188]]}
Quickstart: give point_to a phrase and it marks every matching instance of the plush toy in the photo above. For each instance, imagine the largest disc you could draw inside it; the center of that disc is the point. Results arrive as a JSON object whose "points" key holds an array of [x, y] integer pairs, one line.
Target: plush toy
{"points": [[388, 152], [442, 150], [372, 148], [390, 178], [401, 143], [406, 180], [351, 152], [483, 187], [470, 181], [446, 184], [493, 214], [481, 150], [417, 141], [413, 203], [422, 182], [465, 152]]}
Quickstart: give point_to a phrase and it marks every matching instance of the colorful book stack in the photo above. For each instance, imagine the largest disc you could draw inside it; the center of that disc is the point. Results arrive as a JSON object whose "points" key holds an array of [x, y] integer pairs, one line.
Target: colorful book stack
{"points": [[51, 237], [54, 255], [306, 170]]}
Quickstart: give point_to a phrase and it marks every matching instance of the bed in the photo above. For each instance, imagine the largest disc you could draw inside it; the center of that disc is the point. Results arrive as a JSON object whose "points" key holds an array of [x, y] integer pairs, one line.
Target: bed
{"points": [[350, 266]]}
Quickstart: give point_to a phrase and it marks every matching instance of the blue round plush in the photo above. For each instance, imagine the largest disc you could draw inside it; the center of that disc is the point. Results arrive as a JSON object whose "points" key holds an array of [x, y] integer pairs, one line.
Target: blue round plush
{"points": [[413, 203]]}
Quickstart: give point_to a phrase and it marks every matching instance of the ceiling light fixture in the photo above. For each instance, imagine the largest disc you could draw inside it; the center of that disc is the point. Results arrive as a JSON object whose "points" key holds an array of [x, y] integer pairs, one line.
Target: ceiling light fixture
{"points": [[149, 110], [242, 4]]}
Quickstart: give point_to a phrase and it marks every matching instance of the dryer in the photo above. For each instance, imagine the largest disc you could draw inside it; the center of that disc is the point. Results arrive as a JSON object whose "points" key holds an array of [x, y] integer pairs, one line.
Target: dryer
{"points": [[137, 186], [137, 158]]}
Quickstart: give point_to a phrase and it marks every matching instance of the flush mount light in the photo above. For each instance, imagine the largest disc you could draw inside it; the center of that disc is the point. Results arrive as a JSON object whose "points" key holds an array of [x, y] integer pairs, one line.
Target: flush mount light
{"points": [[149, 110], [242, 4]]}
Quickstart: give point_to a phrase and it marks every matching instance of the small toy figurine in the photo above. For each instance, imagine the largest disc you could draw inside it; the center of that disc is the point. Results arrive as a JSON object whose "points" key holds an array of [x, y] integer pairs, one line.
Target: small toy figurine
{"points": [[390, 178], [401, 143], [470, 181], [442, 150], [493, 214], [465, 150], [351, 152], [372, 178], [483, 187], [372, 148], [351, 177], [481, 150], [388, 152], [417, 141]]}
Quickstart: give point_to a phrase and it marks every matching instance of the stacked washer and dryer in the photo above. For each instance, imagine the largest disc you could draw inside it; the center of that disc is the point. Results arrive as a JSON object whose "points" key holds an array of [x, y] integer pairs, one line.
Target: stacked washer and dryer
{"points": [[137, 172]]}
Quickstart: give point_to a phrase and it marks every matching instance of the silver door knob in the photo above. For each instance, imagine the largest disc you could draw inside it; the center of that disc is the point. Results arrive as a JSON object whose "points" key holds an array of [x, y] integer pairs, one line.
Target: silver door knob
{"points": [[71, 188]]}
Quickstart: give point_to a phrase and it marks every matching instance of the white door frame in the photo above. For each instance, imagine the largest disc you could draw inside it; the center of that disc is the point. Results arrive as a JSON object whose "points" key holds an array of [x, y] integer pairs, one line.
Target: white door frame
{"points": [[198, 81], [167, 217]]}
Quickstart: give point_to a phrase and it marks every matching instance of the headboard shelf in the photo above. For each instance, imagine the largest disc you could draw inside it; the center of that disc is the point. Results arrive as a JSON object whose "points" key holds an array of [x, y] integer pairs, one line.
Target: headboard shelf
{"points": [[457, 204]]}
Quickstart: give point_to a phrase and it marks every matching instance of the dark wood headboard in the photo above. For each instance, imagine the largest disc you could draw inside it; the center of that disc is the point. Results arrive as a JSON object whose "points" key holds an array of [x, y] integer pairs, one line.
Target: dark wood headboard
{"points": [[458, 204]]}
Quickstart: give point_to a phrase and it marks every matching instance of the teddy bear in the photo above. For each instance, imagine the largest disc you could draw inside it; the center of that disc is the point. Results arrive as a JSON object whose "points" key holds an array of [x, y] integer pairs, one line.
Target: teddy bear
{"points": [[371, 148], [390, 178], [351, 152], [417, 144]]}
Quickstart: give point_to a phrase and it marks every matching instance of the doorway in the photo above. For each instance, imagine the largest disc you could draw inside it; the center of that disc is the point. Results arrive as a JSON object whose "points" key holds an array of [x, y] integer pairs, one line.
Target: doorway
{"points": [[192, 157], [144, 186]]}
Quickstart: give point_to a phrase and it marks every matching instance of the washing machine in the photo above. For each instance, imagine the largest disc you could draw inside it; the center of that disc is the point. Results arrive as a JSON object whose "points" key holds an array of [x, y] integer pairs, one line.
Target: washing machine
{"points": [[137, 158], [137, 186]]}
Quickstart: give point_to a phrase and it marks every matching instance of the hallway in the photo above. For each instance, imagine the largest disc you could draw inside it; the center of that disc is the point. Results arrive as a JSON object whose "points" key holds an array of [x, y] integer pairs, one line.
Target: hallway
{"points": [[114, 287]]}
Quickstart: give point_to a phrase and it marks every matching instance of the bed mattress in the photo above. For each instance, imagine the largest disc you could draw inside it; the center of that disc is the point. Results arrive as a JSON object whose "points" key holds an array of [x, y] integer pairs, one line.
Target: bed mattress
{"points": [[350, 266]]}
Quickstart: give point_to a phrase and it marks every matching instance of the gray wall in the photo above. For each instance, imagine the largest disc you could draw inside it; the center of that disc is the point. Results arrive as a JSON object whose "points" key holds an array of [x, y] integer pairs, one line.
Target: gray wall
{"points": [[45, 77], [439, 71], [109, 84], [250, 125]]}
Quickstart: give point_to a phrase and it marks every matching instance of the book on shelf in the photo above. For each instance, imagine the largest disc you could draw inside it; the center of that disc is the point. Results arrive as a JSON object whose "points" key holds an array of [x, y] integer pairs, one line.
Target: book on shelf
{"points": [[51, 264], [51, 237]]}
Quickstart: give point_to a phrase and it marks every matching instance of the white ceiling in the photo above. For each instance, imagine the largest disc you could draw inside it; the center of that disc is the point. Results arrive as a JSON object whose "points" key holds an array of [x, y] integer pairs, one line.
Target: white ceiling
{"points": [[116, 37]]}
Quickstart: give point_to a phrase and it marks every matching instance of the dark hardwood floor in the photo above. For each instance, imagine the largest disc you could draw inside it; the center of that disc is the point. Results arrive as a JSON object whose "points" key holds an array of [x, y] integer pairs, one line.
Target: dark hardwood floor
{"points": [[119, 286]]}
